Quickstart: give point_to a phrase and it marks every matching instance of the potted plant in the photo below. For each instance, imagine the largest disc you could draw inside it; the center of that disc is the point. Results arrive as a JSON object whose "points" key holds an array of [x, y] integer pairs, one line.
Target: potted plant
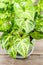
{"points": [[20, 21]]}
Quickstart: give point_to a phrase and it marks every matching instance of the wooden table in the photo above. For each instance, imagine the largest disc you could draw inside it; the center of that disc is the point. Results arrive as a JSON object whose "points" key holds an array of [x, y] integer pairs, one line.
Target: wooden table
{"points": [[36, 57]]}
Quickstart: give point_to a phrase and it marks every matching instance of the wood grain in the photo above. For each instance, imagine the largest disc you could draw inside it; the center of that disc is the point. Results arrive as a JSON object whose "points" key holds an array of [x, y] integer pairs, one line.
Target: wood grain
{"points": [[33, 59], [38, 47]]}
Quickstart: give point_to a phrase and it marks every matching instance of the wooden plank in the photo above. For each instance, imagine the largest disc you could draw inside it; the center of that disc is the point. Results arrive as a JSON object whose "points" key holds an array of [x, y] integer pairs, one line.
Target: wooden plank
{"points": [[37, 49], [32, 60]]}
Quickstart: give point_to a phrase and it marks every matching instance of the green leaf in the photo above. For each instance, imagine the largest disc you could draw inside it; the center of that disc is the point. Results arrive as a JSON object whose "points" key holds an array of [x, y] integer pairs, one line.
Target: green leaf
{"points": [[5, 10], [40, 4], [39, 25], [5, 26], [36, 35], [7, 43], [2, 5], [4, 15], [18, 10], [23, 46], [24, 23], [4, 39], [27, 5], [37, 9], [9, 1], [12, 52]]}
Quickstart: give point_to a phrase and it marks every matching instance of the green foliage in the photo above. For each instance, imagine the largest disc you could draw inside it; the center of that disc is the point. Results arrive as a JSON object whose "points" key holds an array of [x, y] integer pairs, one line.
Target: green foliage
{"points": [[20, 21], [39, 25], [40, 5], [36, 35], [15, 43]]}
